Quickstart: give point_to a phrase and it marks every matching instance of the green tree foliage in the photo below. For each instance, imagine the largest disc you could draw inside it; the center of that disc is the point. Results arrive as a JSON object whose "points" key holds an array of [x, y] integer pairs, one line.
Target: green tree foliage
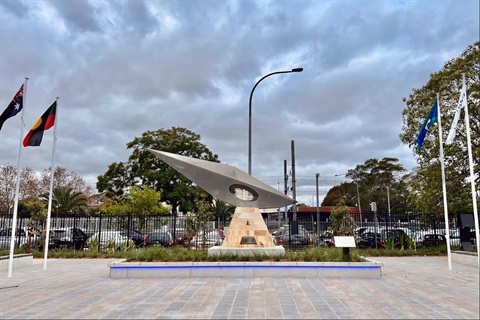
{"points": [[144, 168], [221, 210], [341, 222], [139, 201], [66, 200], [425, 182], [373, 178], [145, 200], [37, 209], [346, 191]]}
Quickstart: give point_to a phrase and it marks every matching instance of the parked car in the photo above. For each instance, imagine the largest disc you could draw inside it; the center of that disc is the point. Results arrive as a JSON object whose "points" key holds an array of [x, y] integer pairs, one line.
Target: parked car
{"points": [[433, 240], [283, 238], [455, 239], [394, 235], [68, 238], [6, 236], [370, 239], [109, 239], [325, 239], [207, 239], [159, 238], [137, 237]]}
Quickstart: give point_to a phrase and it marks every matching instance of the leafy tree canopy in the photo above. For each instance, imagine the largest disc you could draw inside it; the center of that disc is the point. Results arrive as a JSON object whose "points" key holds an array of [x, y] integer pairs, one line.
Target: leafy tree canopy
{"points": [[139, 201], [426, 182], [373, 181], [143, 168]]}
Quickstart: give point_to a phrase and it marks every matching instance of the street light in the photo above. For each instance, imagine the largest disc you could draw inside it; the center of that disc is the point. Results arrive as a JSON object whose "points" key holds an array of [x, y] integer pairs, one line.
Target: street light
{"points": [[250, 115]]}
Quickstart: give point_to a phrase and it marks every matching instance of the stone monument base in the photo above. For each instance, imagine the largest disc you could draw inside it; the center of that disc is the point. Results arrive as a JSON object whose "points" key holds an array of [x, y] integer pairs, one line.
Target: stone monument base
{"points": [[276, 251]]}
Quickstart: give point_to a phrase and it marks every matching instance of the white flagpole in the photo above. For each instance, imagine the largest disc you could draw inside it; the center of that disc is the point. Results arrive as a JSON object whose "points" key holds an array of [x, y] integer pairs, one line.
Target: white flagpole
{"points": [[444, 188], [472, 176], [17, 186], [49, 212]]}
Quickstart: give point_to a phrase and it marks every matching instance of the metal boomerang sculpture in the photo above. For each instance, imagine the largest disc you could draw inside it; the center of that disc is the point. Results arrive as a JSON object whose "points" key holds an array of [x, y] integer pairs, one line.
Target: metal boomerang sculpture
{"points": [[221, 181]]}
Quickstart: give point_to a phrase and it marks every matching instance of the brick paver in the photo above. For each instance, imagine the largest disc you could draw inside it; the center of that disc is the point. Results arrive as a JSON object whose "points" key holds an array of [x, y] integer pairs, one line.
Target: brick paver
{"points": [[410, 288]]}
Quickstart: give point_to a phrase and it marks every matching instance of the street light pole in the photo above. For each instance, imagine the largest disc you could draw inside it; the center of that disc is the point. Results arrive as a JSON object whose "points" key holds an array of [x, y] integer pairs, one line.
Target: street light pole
{"points": [[250, 115]]}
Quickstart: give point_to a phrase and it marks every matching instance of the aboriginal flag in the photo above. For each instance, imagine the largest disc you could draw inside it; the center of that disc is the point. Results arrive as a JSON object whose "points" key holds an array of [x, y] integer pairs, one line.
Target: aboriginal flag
{"points": [[13, 108], [46, 121]]}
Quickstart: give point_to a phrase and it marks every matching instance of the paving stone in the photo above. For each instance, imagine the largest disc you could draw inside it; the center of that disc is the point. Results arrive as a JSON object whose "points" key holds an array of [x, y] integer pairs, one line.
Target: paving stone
{"points": [[410, 288]]}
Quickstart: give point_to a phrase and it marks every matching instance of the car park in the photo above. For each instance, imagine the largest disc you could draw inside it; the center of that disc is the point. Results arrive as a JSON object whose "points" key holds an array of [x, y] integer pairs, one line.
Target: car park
{"points": [[159, 238]]}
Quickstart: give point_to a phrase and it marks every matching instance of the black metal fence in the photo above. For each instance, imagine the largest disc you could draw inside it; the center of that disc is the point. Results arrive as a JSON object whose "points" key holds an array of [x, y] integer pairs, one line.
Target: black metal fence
{"points": [[415, 225]]}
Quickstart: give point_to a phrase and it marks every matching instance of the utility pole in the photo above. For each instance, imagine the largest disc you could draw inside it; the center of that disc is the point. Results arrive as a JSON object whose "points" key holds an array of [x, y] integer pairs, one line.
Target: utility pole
{"points": [[317, 175], [285, 181], [294, 189]]}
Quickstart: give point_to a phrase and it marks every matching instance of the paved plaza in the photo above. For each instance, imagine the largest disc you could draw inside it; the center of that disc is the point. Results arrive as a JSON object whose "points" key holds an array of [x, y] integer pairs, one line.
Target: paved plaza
{"points": [[410, 288]]}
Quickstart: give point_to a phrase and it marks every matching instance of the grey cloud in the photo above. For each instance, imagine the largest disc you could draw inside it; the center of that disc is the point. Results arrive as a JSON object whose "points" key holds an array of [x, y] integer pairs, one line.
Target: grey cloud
{"points": [[121, 69], [78, 14]]}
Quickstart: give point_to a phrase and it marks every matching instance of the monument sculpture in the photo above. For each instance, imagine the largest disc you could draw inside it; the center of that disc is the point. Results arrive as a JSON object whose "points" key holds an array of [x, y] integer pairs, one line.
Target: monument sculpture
{"points": [[247, 233]]}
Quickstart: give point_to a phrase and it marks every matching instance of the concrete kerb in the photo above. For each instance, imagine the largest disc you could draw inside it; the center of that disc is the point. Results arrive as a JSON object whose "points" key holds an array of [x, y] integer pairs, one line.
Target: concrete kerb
{"points": [[123, 269]]}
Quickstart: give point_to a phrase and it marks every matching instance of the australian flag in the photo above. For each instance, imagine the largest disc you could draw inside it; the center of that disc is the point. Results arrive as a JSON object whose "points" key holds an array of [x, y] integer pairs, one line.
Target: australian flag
{"points": [[13, 108]]}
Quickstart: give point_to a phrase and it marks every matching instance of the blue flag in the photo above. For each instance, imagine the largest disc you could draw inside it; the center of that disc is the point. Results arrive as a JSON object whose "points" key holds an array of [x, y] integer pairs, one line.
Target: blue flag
{"points": [[13, 108], [431, 119]]}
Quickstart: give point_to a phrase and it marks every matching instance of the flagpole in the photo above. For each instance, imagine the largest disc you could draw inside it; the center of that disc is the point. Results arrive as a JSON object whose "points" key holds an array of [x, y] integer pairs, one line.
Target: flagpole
{"points": [[49, 212], [17, 186], [444, 188], [472, 176]]}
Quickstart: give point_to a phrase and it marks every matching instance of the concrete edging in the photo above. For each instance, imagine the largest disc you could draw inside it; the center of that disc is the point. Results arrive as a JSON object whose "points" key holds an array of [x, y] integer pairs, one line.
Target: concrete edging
{"points": [[19, 260], [122, 269]]}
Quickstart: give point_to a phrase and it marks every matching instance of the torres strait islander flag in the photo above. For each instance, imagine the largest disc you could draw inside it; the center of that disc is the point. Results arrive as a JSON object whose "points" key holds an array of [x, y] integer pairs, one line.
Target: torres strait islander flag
{"points": [[46, 121], [430, 121], [13, 108]]}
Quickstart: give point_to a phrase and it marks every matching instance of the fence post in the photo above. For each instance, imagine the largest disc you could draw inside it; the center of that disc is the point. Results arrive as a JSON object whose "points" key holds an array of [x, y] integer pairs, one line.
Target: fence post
{"points": [[99, 231]]}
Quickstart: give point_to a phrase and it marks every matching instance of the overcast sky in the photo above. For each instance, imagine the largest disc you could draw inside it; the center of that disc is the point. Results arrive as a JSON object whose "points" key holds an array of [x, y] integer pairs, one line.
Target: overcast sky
{"points": [[121, 68]]}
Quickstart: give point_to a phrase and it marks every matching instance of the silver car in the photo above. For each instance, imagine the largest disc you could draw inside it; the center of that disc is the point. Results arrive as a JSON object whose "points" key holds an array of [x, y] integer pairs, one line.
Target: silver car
{"points": [[207, 239]]}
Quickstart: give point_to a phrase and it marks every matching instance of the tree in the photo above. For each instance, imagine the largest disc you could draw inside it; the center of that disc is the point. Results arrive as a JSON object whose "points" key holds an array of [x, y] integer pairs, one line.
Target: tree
{"points": [[143, 168], [34, 185], [447, 83], [8, 175], [66, 200], [221, 210], [341, 222], [377, 180], [145, 200], [346, 191], [29, 184], [139, 201], [63, 177]]}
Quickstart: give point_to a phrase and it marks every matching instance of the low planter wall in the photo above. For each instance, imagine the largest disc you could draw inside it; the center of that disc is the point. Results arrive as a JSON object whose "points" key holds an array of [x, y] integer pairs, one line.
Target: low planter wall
{"points": [[124, 269], [19, 260]]}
